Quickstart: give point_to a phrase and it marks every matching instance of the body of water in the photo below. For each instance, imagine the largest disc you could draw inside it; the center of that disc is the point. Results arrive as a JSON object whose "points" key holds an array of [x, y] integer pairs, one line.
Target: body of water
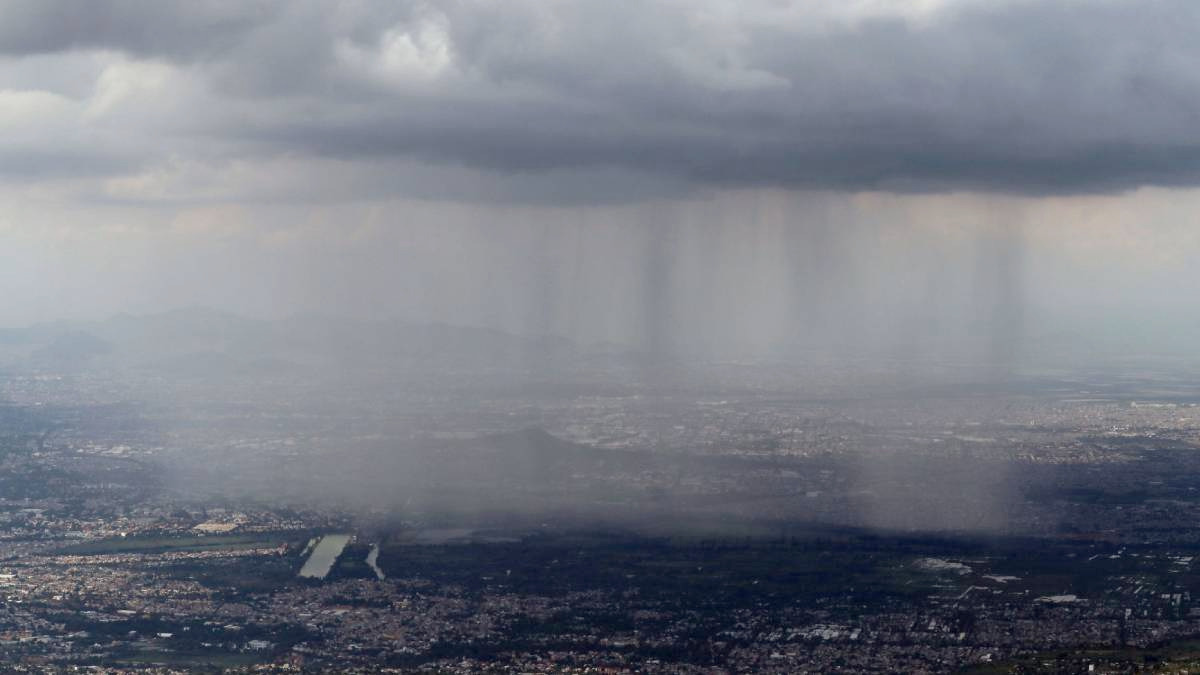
{"points": [[324, 556], [372, 559]]}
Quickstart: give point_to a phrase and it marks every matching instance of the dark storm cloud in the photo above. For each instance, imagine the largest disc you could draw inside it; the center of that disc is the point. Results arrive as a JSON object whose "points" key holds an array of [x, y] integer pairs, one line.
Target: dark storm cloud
{"points": [[1033, 97], [174, 29], [31, 164]]}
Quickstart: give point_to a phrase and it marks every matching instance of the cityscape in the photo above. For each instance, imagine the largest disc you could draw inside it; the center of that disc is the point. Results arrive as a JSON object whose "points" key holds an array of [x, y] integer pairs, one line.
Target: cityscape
{"points": [[599, 337], [588, 521]]}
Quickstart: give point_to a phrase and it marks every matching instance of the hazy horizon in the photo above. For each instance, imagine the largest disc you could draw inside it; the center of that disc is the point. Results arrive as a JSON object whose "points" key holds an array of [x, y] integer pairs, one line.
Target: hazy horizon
{"points": [[654, 336], [928, 178]]}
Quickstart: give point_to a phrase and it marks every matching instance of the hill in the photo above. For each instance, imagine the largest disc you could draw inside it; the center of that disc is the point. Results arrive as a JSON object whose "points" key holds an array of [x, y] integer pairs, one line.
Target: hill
{"points": [[204, 342]]}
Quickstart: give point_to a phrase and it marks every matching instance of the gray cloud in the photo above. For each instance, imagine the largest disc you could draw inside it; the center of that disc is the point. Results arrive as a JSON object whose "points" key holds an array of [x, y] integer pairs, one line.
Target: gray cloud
{"points": [[1028, 97], [183, 30]]}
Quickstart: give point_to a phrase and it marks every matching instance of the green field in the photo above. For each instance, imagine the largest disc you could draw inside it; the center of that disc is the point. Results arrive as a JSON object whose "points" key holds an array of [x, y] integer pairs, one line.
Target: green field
{"points": [[170, 544], [194, 661]]}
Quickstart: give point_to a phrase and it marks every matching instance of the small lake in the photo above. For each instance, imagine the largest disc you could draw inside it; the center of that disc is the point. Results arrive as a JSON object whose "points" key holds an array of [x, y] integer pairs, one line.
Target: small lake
{"points": [[372, 559], [324, 556]]}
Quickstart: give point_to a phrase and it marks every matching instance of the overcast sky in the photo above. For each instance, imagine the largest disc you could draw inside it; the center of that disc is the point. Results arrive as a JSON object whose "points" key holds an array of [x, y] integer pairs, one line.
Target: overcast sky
{"points": [[606, 169]]}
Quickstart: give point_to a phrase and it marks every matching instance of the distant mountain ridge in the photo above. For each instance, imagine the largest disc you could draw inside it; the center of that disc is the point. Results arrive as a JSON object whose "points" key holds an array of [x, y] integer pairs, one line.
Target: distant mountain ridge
{"points": [[203, 340]]}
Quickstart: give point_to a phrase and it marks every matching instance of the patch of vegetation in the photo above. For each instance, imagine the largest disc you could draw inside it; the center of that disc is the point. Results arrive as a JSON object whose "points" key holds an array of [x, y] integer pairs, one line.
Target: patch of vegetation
{"points": [[168, 544]]}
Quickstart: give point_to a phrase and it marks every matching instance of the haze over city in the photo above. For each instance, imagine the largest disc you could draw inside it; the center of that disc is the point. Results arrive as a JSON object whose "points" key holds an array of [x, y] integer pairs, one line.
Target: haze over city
{"points": [[729, 178], [655, 336]]}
